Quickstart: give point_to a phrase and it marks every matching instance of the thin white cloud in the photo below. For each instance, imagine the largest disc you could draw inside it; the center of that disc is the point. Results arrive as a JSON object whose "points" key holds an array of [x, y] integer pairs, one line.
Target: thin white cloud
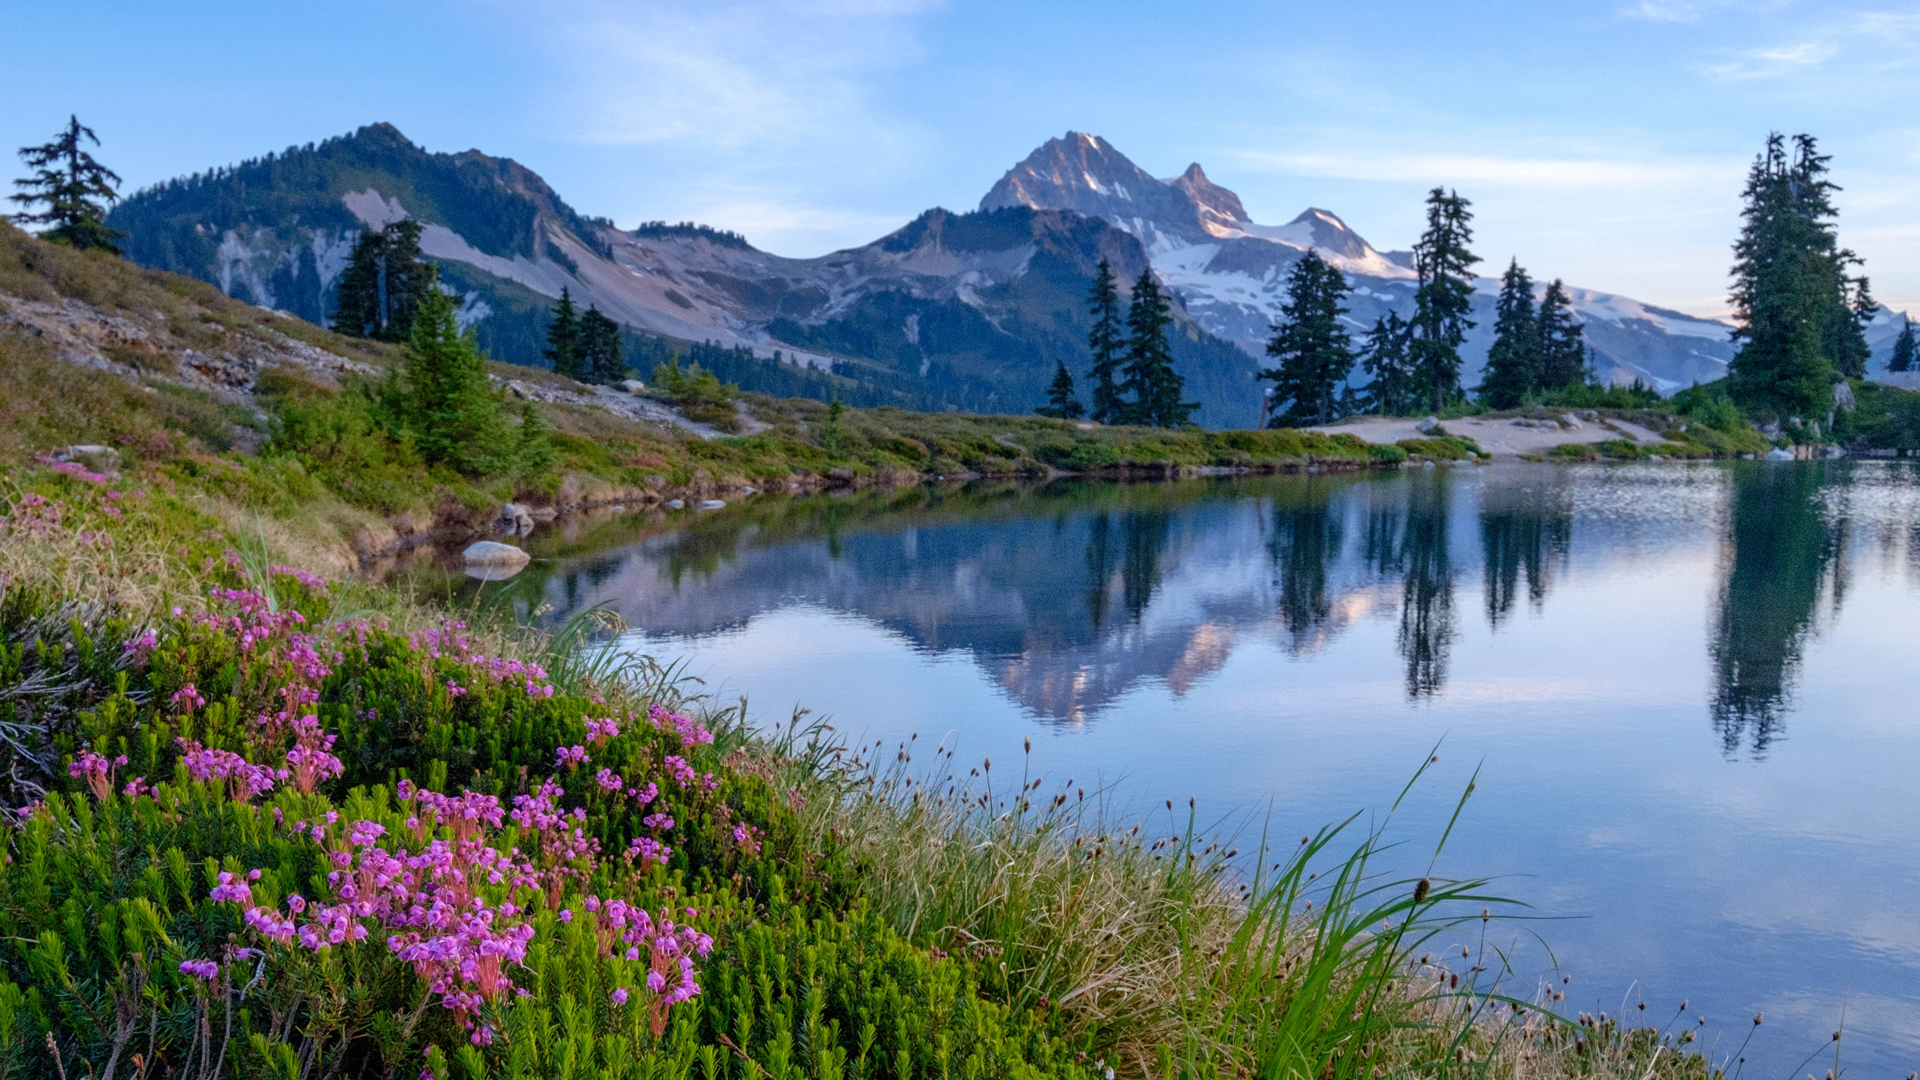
{"points": [[731, 74], [1666, 12], [1775, 61], [1487, 170]]}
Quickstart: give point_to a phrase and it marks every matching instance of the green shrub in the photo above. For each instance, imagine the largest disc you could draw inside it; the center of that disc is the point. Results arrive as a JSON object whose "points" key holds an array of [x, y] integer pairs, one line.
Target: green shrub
{"points": [[698, 394], [1089, 454]]}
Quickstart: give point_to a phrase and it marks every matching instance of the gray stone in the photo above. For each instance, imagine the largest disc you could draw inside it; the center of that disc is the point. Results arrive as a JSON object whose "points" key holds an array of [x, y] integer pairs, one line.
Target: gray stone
{"points": [[1779, 454], [1569, 421], [1834, 453], [1843, 397], [515, 520], [633, 386], [676, 504], [713, 504], [89, 452], [494, 553], [1427, 424]]}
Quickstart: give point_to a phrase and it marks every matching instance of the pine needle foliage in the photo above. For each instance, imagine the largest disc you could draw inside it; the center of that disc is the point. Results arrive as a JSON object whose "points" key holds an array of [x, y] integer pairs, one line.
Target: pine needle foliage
{"points": [[1562, 348], [1386, 357], [75, 189], [1311, 344], [1798, 310], [384, 284], [1444, 298], [1107, 343], [1150, 378], [1061, 404], [1513, 361]]}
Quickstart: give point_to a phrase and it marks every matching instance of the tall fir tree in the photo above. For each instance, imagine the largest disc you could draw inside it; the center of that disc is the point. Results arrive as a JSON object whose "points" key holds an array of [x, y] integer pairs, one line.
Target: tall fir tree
{"points": [[563, 338], [1106, 340], [1445, 296], [384, 284], [1798, 313], [1311, 343], [74, 187], [1902, 358], [1849, 330], [409, 278], [1513, 361], [600, 359], [357, 307], [1150, 378], [1061, 404], [1563, 345], [1391, 390]]}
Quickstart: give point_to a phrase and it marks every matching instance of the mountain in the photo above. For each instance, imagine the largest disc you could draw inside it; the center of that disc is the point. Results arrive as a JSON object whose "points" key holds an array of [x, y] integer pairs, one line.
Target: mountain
{"points": [[1230, 272], [952, 311]]}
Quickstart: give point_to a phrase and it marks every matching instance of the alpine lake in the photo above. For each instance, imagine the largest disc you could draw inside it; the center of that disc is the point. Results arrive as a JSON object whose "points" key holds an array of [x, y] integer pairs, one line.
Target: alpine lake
{"points": [[1686, 694]]}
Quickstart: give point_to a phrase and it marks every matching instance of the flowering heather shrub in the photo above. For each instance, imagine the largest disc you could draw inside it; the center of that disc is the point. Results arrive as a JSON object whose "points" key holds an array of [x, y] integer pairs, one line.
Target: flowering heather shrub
{"points": [[375, 853]]}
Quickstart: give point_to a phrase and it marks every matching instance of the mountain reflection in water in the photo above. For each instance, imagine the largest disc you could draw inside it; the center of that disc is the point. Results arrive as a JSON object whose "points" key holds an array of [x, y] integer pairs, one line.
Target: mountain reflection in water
{"points": [[1070, 594]]}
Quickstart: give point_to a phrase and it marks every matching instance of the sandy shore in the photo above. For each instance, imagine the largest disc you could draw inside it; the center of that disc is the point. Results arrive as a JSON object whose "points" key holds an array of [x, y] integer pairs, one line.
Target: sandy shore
{"points": [[1499, 437]]}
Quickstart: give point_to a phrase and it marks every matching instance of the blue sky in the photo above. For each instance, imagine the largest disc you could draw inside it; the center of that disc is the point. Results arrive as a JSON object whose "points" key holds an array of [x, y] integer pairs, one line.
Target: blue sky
{"points": [[1600, 142]]}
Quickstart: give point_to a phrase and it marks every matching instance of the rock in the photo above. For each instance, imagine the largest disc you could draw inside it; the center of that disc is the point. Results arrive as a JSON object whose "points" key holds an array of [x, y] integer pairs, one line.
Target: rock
{"points": [[617, 508], [515, 520], [1569, 421], [840, 472], [633, 386], [1427, 464], [1843, 397], [494, 553], [1427, 424], [713, 504], [676, 504], [748, 490], [88, 450], [1834, 453], [1589, 416], [544, 514], [1779, 454]]}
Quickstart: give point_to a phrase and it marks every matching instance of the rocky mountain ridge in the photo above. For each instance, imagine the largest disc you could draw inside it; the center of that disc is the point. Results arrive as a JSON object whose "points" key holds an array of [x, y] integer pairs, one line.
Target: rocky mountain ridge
{"points": [[953, 310]]}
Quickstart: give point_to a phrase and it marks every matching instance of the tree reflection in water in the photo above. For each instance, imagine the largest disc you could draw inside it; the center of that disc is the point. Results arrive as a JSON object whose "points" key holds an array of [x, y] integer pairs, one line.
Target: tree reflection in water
{"points": [[1526, 526], [1778, 550], [1306, 540], [1426, 610]]}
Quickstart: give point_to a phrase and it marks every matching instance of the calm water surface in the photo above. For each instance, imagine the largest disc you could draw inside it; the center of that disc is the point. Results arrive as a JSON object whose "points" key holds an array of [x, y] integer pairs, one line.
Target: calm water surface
{"points": [[1689, 689]]}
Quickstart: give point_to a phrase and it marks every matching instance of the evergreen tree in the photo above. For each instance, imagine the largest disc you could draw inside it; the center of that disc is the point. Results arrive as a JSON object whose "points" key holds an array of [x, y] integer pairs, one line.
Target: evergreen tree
{"points": [[1386, 360], [1150, 377], [1513, 362], [1445, 296], [1061, 404], [72, 185], [1902, 358], [1312, 345], [409, 278], [357, 309], [449, 405], [1797, 311], [1849, 331], [1108, 346], [599, 359], [563, 338], [384, 284], [1563, 347]]}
